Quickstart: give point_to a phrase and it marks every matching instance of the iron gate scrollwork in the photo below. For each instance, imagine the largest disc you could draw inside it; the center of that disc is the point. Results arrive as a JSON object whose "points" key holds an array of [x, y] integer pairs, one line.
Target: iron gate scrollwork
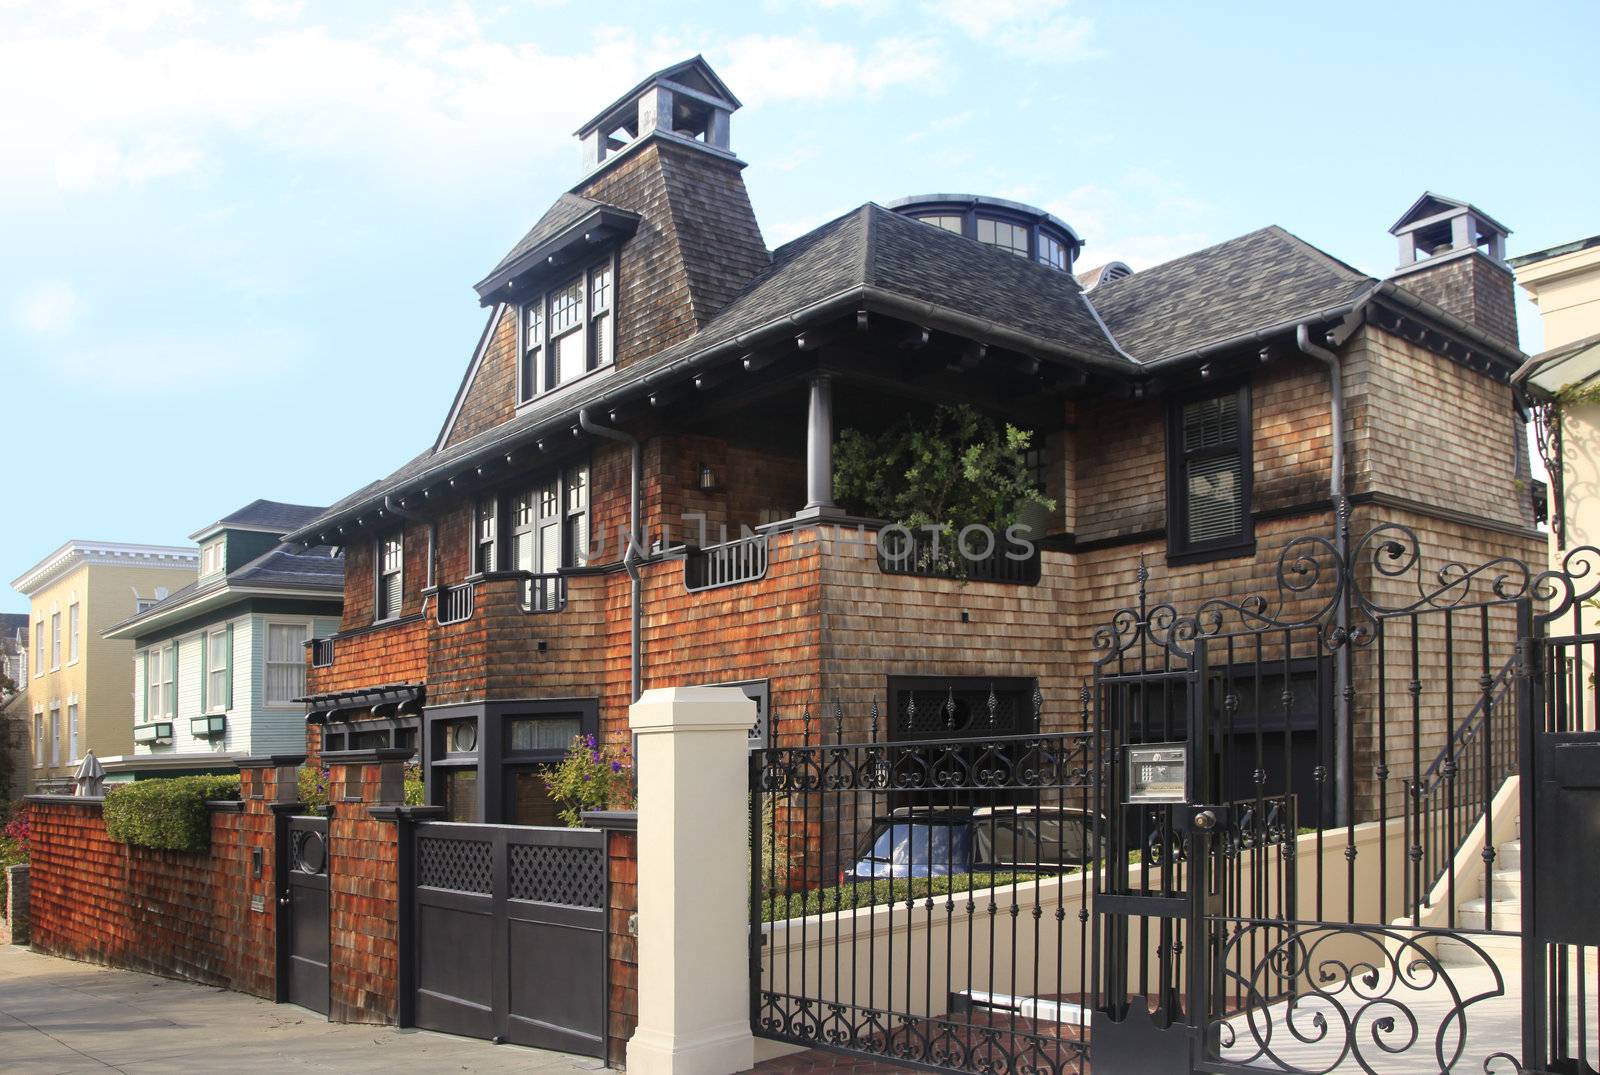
{"points": [[1336, 890]]}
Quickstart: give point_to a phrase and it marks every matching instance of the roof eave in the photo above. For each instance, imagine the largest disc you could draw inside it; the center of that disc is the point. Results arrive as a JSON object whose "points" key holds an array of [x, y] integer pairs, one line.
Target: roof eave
{"points": [[158, 618], [600, 225]]}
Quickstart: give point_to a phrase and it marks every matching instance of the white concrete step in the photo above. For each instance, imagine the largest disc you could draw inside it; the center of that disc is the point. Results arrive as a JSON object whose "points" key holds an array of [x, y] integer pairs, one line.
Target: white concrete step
{"points": [[1506, 951], [1473, 914], [1505, 884], [1508, 856]]}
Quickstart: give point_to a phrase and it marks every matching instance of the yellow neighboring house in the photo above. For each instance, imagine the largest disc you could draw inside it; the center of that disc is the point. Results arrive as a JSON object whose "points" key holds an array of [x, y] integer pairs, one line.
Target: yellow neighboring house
{"points": [[1563, 382], [80, 686]]}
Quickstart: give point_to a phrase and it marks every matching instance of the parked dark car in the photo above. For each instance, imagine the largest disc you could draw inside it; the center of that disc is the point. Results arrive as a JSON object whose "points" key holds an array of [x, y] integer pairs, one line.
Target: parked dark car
{"points": [[923, 842]]}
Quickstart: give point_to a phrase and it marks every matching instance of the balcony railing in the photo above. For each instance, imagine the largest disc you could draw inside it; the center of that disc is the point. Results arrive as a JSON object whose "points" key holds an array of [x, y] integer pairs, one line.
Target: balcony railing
{"points": [[455, 603], [921, 556], [544, 593], [741, 560], [321, 652]]}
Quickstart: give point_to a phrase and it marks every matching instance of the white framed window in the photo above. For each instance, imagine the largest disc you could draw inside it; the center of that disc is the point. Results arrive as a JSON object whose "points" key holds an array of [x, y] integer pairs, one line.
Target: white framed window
{"points": [[160, 692], [211, 558], [55, 641], [38, 648], [391, 563], [483, 535], [74, 624], [38, 739], [568, 331], [72, 730], [55, 733], [218, 661], [286, 662]]}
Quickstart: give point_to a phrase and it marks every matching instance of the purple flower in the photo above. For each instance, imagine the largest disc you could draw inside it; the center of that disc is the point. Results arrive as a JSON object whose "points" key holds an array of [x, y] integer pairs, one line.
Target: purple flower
{"points": [[594, 756], [616, 767]]}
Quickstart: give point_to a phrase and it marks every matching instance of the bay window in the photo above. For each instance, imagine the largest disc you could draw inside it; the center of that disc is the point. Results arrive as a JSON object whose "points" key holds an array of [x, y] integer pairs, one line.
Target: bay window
{"points": [[568, 331]]}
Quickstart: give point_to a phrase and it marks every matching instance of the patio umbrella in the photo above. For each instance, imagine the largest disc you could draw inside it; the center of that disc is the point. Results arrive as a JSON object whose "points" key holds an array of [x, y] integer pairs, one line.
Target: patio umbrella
{"points": [[90, 776]]}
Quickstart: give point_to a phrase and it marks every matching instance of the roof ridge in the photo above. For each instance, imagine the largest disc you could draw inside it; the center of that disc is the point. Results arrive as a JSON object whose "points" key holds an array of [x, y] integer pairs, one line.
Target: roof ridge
{"points": [[869, 273], [1311, 250]]}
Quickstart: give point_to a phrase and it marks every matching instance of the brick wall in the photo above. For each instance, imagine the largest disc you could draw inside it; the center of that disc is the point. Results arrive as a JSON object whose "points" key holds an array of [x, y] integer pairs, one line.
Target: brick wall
{"points": [[1474, 288], [161, 912], [363, 899], [622, 1005]]}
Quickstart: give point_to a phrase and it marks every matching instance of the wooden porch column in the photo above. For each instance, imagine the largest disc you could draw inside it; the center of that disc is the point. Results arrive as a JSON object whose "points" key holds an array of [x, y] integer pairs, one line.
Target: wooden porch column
{"points": [[819, 448]]}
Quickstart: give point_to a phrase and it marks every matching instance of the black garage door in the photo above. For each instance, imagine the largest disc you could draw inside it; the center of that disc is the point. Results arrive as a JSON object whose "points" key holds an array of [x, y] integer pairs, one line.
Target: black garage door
{"points": [[509, 934]]}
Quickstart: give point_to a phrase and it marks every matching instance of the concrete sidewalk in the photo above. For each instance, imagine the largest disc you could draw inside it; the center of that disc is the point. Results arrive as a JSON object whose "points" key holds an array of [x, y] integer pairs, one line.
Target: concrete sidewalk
{"points": [[57, 1016]]}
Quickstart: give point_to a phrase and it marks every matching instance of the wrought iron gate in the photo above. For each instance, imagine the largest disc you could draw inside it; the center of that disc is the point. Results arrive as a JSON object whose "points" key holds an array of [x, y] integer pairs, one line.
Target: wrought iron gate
{"points": [[1306, 843]]}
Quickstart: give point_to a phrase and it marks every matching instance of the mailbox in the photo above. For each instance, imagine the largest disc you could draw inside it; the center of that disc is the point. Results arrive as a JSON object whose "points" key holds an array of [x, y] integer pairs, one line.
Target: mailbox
{"points": [[1157, 772]]}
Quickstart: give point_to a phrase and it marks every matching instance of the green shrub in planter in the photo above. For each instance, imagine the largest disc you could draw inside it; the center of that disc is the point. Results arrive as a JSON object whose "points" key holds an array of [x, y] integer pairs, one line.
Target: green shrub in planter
{"points": [[167, 814]]}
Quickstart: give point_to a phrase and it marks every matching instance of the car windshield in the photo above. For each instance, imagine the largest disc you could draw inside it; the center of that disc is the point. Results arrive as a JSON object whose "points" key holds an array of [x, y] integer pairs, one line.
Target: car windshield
{"points": [[1026, 839], [934, 843]]}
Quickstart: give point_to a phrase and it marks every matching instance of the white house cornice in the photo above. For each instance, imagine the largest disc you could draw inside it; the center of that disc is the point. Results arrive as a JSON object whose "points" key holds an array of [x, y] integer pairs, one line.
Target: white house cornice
{"points": [[75, 554]]}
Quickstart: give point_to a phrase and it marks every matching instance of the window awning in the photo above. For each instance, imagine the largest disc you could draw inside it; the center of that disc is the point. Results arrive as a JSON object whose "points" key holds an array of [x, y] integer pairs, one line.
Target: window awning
{"points": [[1572, 365]]}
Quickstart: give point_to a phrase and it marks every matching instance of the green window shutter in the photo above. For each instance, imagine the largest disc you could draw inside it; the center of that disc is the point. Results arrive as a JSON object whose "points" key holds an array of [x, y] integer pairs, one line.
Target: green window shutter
{"points": [[205, 670], [230, 666]]}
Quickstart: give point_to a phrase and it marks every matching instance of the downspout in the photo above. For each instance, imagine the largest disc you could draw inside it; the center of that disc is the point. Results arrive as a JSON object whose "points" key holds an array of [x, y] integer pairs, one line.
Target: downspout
{"points": [[630, 557], [1342, 688]]}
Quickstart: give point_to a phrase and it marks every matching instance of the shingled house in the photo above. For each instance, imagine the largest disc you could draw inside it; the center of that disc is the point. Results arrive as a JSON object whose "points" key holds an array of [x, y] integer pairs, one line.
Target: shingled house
{"points": [[648, 366]]}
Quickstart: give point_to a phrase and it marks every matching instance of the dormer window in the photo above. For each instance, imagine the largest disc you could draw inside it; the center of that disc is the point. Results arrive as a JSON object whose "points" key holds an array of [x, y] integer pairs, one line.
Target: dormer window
{"points": [[567, 332], [1012, 238], [211, 558]]}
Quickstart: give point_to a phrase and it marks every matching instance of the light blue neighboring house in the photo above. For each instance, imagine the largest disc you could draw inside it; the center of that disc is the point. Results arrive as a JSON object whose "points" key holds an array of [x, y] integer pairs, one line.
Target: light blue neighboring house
{"points": [[219, 664]]}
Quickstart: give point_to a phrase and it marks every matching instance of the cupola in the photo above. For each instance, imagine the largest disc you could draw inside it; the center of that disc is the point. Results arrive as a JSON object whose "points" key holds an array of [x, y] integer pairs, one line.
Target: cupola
{"points": [[1454, 255], [686, 103], [1006, 225]]}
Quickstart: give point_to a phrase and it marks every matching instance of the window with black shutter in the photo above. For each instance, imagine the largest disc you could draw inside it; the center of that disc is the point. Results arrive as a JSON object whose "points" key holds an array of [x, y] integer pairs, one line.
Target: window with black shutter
{"points": [[391, 558], [1208, 476]]}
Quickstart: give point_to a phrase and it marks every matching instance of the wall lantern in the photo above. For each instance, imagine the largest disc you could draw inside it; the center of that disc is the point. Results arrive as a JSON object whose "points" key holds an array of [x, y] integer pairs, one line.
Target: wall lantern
{"points": [[1157, 772], [708, 478], [208, 726]]}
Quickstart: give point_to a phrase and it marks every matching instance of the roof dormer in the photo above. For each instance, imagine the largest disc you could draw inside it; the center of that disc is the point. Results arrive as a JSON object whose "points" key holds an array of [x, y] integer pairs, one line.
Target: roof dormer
{"points": [[686, 102]]}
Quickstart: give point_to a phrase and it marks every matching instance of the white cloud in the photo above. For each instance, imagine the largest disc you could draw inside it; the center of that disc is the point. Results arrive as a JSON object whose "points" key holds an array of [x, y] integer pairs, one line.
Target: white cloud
{"points": [[49, 309], [1032, 29], [1140, 217], [422, 97]]}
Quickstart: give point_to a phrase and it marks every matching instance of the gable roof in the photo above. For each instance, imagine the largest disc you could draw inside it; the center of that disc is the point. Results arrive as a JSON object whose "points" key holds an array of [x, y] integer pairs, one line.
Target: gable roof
{"points": [[1260, 281], [305, 572]]}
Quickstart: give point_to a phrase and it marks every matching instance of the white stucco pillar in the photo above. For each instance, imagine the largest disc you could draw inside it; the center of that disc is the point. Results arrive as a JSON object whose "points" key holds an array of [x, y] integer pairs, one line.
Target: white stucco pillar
{"points": [[694, 884]]}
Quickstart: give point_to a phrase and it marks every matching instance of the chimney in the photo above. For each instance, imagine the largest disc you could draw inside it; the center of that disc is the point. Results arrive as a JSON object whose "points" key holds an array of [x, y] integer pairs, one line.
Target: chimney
{"points": [[662, 151], [1453, 255]]}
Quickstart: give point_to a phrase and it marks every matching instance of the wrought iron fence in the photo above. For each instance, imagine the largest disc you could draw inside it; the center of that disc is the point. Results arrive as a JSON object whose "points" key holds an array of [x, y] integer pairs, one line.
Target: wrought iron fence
{"points": [[455, 603], [924, 901], [321, 652], [740, 560]]}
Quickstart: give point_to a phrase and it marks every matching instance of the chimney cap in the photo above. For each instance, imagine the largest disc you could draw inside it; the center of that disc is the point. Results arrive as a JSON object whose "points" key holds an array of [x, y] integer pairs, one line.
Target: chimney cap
{"points": [[692, 76], [1432, 207]]}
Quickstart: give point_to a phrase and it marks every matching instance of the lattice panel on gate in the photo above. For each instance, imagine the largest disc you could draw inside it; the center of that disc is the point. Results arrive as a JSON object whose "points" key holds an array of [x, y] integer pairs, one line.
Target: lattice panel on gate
{"points": [[572, 876], [457, 865]]}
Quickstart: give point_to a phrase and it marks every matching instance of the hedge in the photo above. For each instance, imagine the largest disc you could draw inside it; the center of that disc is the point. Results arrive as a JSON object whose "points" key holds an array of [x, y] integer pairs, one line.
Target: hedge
{"points": [[170, 814]]}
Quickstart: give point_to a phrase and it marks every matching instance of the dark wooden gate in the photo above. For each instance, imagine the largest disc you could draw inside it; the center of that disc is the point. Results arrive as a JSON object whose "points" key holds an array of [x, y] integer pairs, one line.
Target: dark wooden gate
{"points": [[303, 895], [509, 934]]}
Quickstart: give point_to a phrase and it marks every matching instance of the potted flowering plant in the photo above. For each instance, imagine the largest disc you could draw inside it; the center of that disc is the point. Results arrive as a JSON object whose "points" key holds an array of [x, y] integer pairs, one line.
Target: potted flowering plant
{"points": [[592, 776]]}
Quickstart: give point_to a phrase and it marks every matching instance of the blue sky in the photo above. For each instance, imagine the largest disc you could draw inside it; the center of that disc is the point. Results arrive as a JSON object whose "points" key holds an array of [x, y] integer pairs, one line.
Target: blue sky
{"points": [[239, 241]]}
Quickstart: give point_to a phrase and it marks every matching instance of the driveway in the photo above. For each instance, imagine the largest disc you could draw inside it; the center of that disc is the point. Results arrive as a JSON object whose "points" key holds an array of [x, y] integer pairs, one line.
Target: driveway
{"points": [[58, 1016]]}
